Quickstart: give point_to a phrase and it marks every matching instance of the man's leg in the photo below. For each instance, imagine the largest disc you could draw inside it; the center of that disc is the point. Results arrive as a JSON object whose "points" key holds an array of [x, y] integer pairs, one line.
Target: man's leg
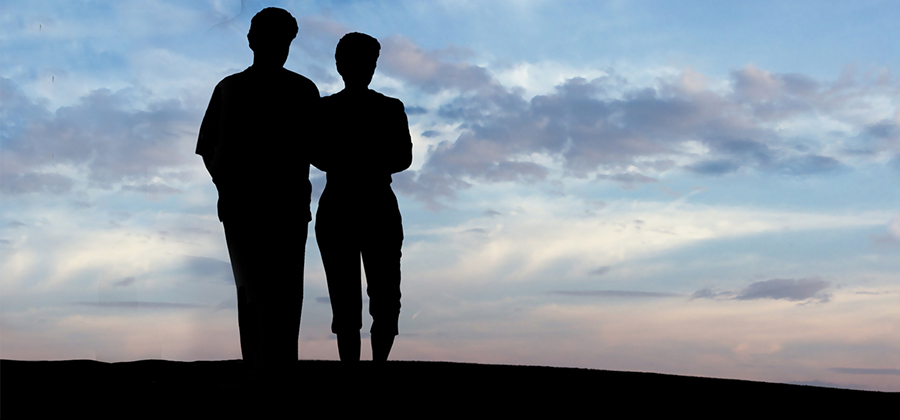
{"points": [[248, 319], [269, 276], [282, 262]]}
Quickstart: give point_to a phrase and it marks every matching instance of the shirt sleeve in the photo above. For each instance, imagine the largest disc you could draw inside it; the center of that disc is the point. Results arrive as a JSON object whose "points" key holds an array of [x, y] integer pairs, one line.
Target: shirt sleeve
{"points": [[321, 120], [210, 127]]}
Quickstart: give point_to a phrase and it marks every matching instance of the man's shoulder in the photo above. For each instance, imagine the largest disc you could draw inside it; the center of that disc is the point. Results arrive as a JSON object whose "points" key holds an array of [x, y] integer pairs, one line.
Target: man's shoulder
{"points": [[231, 79], [290, 79], [298, 79], [235, 80], [336, 98]]}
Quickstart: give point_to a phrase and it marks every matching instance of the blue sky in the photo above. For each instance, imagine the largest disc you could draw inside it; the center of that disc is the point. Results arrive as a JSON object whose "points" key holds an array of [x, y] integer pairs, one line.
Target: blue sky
{"points": [[699, 188]]}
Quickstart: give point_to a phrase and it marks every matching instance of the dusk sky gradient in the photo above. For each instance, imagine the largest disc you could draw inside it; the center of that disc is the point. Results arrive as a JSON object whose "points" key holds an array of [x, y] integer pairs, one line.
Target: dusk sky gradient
{"points": [[700, 188]]}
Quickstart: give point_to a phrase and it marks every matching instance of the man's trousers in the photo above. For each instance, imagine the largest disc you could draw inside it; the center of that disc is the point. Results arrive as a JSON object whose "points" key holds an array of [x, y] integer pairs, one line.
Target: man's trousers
{"points": [[268, 261]]}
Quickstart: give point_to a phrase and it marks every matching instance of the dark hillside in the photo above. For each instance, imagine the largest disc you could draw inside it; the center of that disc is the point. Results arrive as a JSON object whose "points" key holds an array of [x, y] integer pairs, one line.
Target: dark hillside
{"points": [[217, 389]]}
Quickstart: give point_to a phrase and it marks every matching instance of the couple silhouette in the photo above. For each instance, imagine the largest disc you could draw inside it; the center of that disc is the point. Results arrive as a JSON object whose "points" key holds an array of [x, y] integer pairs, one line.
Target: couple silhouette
{"points": [[263, 128]]}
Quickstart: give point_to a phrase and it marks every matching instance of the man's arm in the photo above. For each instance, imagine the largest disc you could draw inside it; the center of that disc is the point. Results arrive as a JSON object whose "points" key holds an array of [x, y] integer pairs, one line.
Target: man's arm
{"points": [[319, 124], [210, 131]]}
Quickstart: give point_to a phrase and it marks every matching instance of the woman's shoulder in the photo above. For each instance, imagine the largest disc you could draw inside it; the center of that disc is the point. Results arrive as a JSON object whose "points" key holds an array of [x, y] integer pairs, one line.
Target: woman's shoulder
{"points": [[377, 102]]}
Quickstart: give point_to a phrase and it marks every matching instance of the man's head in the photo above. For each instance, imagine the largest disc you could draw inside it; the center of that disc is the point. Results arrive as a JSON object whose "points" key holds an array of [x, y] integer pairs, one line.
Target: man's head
{"points": [[270, 36], [356, 55]]}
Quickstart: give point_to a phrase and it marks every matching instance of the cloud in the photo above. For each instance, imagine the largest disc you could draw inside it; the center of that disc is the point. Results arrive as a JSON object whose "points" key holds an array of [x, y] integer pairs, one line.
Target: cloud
{"points": [[152, 191], [711, 294], [793, 290], [599, 271], [128, 281], [318, 37], [153, 188], [821, 384], [427, 186], [865, 371], [808, 165], [714, 167], [140, 305], [34, 182], [787, 289], [430, 71], [757, 86], [111, 134], [415, 110], [608, 126], [209, 268], [613, 293], [629, 179]]}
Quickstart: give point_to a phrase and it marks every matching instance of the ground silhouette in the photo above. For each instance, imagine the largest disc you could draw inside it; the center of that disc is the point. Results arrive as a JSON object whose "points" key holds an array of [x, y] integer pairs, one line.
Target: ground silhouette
{"points": [[215, 389]]}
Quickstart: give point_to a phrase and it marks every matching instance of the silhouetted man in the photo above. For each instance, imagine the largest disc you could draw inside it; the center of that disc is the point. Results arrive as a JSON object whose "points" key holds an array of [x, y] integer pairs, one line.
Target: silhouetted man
{"points": [[366, 140], [254, 141]]}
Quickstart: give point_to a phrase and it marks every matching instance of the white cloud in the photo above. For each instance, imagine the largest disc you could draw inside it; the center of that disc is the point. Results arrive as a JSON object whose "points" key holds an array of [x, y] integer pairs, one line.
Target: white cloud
{"points": [[561, 238], [543, 77]]}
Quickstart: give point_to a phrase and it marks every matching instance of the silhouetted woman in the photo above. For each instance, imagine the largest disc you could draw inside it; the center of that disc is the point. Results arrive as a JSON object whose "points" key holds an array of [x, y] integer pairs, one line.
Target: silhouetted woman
{"points": [[365, 140]]}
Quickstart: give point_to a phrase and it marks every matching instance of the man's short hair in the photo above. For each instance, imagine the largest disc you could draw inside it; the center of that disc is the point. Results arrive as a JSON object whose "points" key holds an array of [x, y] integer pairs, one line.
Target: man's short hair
{"points": [[272, 26], [357, 47]]}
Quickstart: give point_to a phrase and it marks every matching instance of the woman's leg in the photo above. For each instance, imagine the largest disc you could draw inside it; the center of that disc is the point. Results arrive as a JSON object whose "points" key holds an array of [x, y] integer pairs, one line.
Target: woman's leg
{"points": [[340, 257], [381, 259]]}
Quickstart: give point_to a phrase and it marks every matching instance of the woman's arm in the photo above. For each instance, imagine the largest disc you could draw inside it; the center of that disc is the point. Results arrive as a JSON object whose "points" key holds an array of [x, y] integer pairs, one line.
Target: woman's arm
{"points": [[401, 142]]}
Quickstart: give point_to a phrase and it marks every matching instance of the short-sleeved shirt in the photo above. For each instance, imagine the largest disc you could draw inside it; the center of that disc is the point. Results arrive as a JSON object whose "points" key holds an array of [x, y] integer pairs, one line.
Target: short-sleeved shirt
{"points": [[258, 129]]}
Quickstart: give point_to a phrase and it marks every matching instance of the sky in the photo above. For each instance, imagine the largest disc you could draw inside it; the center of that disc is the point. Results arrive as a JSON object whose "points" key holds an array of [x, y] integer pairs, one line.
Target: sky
{"points": [[698, 188]]}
